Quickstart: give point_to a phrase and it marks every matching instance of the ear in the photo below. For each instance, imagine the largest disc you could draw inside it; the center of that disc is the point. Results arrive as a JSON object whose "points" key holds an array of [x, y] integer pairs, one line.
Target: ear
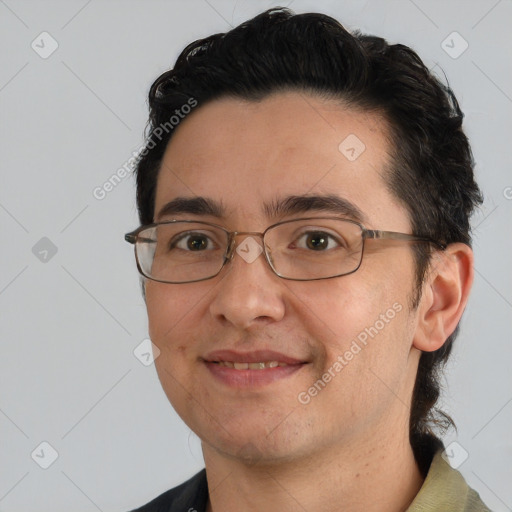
{"points": [[444, 297]]}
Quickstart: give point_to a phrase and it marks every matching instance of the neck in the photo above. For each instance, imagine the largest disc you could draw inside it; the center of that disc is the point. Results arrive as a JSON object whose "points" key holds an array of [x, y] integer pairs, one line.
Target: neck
{"points": [[362, 476]]}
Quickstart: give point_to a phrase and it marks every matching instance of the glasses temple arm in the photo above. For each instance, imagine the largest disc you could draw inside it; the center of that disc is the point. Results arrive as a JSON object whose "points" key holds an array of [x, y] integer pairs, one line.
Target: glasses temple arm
{"points": [[393, 235]]}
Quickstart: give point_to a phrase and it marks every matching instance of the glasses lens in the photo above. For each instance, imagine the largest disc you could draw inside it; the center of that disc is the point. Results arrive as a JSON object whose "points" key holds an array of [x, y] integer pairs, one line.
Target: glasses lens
{"points": [[180, 252], [315, 248]]}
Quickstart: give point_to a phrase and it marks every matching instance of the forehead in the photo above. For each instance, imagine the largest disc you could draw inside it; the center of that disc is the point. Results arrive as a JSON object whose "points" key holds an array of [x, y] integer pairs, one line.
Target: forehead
{"points": [[247, 155]]}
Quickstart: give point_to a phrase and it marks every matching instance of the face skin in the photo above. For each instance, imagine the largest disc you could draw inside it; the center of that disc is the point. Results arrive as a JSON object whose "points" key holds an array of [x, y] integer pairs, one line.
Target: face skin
{"points": [[244, 155]]}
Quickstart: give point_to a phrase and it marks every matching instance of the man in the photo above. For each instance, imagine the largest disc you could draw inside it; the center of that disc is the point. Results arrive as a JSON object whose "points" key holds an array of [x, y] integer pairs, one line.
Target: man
{"points": [[305, 196]]}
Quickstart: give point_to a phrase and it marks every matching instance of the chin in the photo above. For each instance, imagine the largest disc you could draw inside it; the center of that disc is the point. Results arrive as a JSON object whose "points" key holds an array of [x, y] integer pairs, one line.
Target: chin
{"points": [[253, 453], [255, 446]]}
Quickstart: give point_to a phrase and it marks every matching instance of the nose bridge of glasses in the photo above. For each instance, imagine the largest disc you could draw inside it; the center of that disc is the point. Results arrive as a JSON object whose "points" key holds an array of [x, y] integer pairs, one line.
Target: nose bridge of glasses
{"points": [[232, 240]]}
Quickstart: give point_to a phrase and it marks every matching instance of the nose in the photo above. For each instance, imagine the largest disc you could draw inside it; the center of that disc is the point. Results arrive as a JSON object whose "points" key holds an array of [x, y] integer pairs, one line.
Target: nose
{"points": [[249, 293]]}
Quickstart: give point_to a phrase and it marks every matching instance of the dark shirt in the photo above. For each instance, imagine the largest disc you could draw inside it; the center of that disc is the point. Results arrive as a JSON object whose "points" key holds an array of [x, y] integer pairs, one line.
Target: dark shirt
{"points": [[191, 496]]}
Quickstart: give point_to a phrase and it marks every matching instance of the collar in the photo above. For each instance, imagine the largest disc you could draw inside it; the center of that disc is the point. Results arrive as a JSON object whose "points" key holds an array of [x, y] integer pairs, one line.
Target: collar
{"points": [[444, 488]]}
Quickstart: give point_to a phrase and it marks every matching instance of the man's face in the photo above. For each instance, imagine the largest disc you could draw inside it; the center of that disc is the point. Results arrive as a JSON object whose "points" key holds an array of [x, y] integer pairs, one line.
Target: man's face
{"points": [[245, 155]]}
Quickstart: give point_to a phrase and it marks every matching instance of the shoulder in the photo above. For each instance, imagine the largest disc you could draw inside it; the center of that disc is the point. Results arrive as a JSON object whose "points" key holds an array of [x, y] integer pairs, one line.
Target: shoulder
{"points": [[190, 496]]}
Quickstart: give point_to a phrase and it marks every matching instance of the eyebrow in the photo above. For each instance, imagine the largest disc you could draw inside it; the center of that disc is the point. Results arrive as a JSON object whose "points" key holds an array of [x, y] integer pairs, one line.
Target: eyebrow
{"points": [[193, 206], [281, 207], [331, 203]]}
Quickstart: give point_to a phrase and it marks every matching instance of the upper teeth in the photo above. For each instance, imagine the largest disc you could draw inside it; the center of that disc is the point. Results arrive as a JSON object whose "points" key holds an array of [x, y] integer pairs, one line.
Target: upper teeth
{"points": [[251, 366]]}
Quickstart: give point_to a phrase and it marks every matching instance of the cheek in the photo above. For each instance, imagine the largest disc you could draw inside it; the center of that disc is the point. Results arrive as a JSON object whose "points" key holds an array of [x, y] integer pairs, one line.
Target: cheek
{"points": [[170, 310], [338, 309], [362, 332], [362, 322], [170, 319]]}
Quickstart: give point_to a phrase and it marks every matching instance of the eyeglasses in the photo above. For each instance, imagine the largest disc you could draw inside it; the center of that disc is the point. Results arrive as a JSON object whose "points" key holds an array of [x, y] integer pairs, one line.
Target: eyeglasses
{"points": [[186, 251]]}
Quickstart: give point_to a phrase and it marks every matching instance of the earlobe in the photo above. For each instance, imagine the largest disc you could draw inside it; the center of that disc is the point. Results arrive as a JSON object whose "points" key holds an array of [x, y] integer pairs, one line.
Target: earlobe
{"points": [[445, 295]]}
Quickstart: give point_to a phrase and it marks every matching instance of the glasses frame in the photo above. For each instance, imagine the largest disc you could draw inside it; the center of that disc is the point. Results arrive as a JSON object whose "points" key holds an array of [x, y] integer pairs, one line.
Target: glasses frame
{"points": [[367, 234]]}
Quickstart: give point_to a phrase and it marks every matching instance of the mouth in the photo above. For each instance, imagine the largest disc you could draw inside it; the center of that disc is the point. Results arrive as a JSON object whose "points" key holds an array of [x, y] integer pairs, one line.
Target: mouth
{"points": [[250, 366], [251, 369]]}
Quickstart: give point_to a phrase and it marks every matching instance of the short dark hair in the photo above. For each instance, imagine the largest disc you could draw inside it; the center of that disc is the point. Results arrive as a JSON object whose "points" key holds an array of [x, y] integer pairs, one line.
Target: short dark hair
{"points": [[431, 165]]}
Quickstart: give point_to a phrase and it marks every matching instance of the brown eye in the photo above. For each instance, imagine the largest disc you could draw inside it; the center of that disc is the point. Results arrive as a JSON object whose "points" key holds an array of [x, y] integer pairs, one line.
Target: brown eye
{"points": [[192, 242], [318, 241], [195, 243]]}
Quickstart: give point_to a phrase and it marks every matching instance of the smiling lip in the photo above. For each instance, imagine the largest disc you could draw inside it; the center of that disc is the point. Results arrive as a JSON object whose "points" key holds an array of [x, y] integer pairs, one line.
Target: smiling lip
{"points": [[251, 369]]}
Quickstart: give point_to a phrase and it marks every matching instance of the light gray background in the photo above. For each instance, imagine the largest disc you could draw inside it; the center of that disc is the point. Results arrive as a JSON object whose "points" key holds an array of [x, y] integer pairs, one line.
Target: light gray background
{"points": [[69, 325]]}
